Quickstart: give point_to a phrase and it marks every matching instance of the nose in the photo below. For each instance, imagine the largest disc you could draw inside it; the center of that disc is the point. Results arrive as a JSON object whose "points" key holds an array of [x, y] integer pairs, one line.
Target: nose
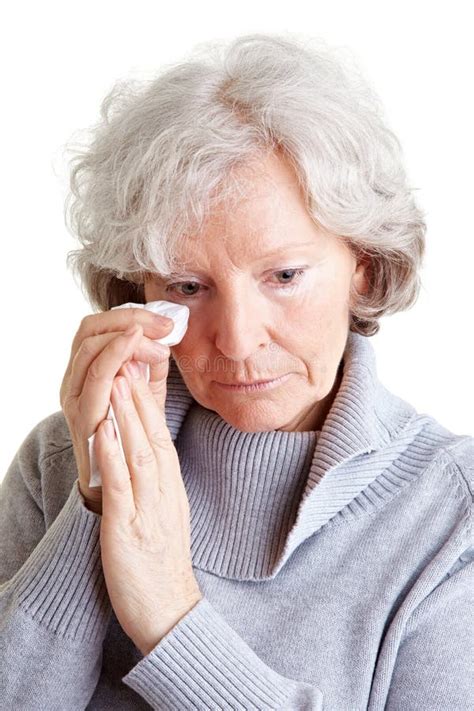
{"points": [[239, 327]]}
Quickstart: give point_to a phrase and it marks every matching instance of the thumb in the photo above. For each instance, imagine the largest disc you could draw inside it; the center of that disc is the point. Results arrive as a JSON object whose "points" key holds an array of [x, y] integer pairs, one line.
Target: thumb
{"points": [[159, 370]]}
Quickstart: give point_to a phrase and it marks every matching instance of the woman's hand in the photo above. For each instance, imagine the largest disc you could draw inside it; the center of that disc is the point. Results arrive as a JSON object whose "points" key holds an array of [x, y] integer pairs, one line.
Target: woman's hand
{"points": [[145, 527], [98, 351]]}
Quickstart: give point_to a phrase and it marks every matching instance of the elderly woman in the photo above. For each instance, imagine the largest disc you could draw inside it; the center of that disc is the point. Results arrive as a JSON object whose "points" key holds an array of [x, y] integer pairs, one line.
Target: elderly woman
{"points": [[282, 531]]}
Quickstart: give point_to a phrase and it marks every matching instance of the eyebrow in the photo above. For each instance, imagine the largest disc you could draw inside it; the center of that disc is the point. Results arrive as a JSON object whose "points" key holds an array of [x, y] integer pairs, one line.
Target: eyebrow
{"points": [[285, 247], [274, 252]]}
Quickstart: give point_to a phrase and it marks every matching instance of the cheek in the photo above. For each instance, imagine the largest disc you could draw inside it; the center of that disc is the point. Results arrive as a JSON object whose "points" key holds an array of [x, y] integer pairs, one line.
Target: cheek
{"points": [[321, 332], [329, 300], [317, 312], [191, 354]]}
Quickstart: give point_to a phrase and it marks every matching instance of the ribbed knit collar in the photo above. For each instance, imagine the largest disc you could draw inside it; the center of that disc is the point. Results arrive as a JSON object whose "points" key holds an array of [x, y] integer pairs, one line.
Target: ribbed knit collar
{"points": [[256, 496], [244, 489]]}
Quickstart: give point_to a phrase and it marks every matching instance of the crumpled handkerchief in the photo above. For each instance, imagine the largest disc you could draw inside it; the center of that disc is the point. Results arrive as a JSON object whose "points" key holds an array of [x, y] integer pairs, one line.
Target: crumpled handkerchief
{"points": [[180, 315]]}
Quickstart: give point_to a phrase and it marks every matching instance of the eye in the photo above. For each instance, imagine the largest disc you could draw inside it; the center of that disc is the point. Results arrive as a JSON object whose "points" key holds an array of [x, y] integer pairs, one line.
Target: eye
{"points": [[298, 273], [294, 274], [174, 287]]}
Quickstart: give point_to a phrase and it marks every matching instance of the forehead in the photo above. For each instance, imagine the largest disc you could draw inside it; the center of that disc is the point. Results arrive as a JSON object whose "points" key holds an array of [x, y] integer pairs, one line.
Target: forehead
{"points": [[270, 221], [236, 245]]}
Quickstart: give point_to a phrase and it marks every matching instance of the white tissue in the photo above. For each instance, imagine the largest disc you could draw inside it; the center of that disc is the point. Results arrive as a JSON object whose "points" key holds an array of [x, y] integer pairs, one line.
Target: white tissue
{"points": [[180, 315]]}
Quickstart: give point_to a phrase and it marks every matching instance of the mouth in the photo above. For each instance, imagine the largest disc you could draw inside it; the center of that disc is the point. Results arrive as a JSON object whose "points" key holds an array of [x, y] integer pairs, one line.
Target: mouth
{"points": [[255, 386]]}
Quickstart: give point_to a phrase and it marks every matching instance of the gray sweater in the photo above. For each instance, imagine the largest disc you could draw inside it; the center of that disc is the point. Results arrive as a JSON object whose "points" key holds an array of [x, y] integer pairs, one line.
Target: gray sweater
{"points": [[336, 566]]}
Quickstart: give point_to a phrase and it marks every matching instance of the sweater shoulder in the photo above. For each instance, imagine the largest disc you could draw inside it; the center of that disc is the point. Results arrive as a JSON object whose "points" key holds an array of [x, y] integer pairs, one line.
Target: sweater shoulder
{"points": [[456, 465], [45, 461], [426, 465], [50, 436], [453, 452], [461, 456]]}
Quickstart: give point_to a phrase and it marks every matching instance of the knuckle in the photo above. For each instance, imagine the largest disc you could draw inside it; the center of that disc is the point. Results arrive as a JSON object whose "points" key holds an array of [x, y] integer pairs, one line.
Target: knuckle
{"points": [[159, 356], [94, 372], [84, 323], [86, 348], [143, 458], [79, 409], [117, 486], [67, 404], [109, 457], [146, 396], [136, 316], [158, 440]]}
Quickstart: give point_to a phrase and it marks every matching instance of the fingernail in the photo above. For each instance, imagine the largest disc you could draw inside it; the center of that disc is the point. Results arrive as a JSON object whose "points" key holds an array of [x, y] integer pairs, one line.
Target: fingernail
{"points": [[163, 320]]}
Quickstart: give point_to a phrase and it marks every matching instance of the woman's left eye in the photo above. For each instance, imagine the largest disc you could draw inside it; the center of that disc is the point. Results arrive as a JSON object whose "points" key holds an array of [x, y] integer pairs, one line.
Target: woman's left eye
{"points": [[298, 273]]}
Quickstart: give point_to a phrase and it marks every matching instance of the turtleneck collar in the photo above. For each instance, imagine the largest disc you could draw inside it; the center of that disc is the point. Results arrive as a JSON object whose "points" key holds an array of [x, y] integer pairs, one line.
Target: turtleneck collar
{"points": [[256, 496], [244, 489]]}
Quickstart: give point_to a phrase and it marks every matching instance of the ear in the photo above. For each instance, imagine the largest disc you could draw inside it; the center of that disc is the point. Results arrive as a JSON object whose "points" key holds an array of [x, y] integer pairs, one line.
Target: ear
{"points": [[361, 275]]}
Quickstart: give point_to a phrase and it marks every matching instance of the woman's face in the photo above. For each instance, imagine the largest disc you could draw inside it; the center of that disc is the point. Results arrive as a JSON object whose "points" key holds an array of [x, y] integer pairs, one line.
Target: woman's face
{"points": [[253, 317]]}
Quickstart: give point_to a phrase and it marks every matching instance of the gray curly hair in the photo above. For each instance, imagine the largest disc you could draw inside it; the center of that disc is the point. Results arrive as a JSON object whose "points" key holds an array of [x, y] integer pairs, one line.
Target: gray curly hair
{"points": [[162, 155]]}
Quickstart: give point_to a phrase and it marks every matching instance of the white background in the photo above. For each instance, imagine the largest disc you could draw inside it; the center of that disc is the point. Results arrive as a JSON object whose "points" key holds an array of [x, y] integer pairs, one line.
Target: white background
{"points": [[59, 59]]}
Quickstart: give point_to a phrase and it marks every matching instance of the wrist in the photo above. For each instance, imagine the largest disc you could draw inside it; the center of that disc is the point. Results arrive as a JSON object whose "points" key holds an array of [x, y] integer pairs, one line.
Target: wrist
{"points": [[154, 635]]}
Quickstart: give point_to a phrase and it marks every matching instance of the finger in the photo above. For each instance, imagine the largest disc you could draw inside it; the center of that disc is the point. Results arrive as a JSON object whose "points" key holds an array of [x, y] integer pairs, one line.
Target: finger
{"points": [[153, 420], [138, 450], [159, 369], [146, 350], [115, 321], [154, 325], [117, 494], [93, 401]]}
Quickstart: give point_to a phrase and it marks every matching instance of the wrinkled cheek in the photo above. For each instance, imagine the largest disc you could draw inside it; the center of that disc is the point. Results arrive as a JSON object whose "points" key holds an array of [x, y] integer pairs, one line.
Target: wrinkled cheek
{"points": [[326, 336]]}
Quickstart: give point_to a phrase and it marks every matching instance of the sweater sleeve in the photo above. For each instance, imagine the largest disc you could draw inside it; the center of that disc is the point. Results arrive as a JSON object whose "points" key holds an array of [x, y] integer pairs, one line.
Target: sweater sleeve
{"points": [[203, 663], [435, 659], [435, 662], [54, 608]]}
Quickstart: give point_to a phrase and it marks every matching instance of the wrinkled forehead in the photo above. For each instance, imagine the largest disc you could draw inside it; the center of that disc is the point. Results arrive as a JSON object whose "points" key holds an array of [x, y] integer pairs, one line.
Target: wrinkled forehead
{"points": [[256, 227], [239, 246], [261, 211]]}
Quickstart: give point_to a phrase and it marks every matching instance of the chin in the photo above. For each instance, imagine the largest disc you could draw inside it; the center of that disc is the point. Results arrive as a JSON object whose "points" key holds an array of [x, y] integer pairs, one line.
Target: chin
{"points": [[252, 417]]}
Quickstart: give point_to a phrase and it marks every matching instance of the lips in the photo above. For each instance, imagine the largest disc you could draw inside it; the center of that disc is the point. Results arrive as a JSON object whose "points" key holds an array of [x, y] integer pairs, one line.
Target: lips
{"points": [[252, 382], [255, 386]]}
